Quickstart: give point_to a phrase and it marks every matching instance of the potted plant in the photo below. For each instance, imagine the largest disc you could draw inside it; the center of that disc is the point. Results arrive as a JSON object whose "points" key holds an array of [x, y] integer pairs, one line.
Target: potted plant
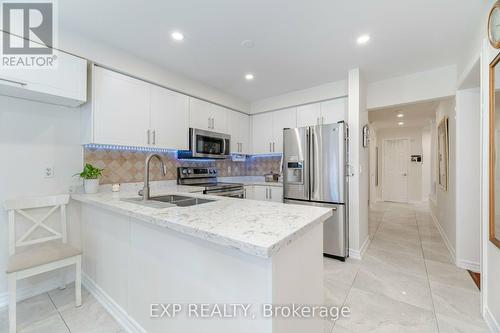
{"points": [[90, 176]]}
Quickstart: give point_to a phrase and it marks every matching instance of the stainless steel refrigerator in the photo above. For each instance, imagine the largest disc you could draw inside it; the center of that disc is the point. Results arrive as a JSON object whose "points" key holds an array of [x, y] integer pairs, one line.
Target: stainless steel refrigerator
{"points": [[315, 173]]}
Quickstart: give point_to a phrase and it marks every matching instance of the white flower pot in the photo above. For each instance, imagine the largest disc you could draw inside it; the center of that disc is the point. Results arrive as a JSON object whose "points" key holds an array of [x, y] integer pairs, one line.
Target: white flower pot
{"points": [[91, 185]]}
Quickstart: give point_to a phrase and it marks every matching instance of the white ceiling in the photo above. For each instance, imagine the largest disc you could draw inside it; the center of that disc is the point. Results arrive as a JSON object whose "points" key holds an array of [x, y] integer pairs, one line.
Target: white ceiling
{"points": [[298, 44], [414, 115]]}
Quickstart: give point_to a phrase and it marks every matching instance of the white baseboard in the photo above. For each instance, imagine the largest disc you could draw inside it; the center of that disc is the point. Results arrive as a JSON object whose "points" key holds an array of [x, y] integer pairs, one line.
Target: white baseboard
{"points": [[492, 323], [358, 254], [469, 265], [30, 291], [115, 310], [447, 242]]}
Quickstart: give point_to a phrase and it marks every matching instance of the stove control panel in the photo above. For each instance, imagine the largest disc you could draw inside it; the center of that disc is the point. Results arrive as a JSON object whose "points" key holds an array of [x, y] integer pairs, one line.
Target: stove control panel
{"points": [[187, 172]]}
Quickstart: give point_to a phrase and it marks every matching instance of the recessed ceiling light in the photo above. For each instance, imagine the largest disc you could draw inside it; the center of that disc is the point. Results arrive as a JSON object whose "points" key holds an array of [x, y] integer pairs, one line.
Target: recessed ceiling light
{"points": [[248, 43], [249, 77], [178, 36], [400, 115], [401, 123], [363, 39]]}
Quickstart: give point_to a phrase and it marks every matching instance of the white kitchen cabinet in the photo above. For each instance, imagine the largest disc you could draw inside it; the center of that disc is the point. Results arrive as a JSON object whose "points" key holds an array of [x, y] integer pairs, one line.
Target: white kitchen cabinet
{"points": [[334, 111], [120, 109], [267, 130], [207, 116], [309, 115], [262, 133], [65, 84], [239, 128], [169, 118], [276, 193], [264, 193], [286, 118]]}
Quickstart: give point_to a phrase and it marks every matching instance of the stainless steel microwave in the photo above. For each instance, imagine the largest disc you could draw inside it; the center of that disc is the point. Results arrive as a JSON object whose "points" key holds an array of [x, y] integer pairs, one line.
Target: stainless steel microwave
{"points": [[206, 144]]}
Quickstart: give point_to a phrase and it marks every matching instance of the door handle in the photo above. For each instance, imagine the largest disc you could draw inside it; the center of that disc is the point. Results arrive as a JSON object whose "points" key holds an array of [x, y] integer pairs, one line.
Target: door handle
{"points": [[270, 149], [270, 193], [154, 137], [149, 135], [274, 149], [313, 165], [213, 123]]}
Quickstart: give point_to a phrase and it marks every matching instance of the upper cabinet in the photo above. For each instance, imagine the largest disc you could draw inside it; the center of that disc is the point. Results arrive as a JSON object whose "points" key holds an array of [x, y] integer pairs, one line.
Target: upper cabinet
{"points": [[120, 107], [327, 112], [207, 116], [65, 84], [169, 118], [239, 129], [334, 110], [267, 130], [130, 112]]}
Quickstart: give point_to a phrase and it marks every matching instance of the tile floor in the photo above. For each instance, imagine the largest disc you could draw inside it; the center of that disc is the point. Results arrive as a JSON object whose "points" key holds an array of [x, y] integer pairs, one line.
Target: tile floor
{"points": [[406, 282]]}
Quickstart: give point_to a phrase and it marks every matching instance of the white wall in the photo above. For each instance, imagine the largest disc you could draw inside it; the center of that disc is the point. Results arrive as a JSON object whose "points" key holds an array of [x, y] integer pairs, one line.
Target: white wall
{"points": [[426, 164], [414, 135], [34, 136], [443, 207], [300, 97], [358, 160], [490, 261], [468, 136], [429, 85], [127, 63]]}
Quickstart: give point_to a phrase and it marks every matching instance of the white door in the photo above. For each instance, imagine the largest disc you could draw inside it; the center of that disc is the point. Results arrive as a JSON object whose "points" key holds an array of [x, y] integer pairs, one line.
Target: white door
{"points": [[200, 114], [308, 115], [169, 119], [334, 111], [276, 193], [395, 170], [262, 133], [261, 193], [121, 109], [286, 118]]}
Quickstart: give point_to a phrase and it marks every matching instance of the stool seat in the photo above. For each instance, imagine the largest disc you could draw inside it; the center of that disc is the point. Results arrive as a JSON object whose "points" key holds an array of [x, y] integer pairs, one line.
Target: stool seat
{"points": [[37, 255]]}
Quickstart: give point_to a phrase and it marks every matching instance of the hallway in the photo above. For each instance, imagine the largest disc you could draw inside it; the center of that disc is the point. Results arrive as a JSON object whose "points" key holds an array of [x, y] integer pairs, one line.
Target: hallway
{"points": [[406, 281]]}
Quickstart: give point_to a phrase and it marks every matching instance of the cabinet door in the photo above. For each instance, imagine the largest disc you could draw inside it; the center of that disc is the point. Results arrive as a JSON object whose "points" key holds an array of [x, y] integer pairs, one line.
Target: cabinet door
{"points": [[238, 128], [262, 133], [276, 193], [249, 192], [334, 111], [286, 118], [169, 118], [219, 118], [261, 193], [200, 114], [121, 109], [308, 115]]}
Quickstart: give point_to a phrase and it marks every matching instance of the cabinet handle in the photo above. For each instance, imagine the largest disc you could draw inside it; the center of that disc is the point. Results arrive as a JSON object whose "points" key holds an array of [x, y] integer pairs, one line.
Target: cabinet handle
{"points": [[213, 123], [270, 193], [270, 148], [274, 149], [154, 137], [13, 81], [149, 140], [245, 193], [267, 193]]}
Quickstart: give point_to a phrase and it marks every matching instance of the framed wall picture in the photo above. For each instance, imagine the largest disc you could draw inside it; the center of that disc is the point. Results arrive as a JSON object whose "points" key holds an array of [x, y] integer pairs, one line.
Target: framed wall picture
{"points": [[442, 150]]}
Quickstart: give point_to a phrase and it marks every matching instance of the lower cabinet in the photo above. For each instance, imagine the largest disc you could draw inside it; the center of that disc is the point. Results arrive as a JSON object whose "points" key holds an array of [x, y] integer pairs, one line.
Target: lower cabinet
{"points": [[264, 193]]}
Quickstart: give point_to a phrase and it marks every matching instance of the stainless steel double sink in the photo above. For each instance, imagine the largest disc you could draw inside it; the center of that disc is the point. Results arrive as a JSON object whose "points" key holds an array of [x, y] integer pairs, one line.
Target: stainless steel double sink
{"points": [[171, 200]]}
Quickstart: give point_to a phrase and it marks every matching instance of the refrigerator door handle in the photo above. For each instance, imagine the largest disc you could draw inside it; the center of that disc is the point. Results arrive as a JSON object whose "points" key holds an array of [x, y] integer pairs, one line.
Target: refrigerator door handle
{"points": [[313, 165]]}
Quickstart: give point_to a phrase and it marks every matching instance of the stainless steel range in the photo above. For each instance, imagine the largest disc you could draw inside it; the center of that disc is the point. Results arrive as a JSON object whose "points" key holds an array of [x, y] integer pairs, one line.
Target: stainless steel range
{"points": [[207, 177]]}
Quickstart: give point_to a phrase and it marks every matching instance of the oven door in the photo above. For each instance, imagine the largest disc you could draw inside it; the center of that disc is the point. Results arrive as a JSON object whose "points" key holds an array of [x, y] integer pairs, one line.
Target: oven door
{"points": [[233, 193], [207, 144]]}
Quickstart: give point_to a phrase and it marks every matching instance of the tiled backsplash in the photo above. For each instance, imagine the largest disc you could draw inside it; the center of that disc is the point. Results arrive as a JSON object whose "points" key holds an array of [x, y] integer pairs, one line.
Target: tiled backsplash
{"points": [[123, 166]]}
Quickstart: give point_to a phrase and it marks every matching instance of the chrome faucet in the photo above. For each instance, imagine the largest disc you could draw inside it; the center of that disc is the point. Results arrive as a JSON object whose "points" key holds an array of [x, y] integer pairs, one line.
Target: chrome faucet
{"points": [[145, 190]]}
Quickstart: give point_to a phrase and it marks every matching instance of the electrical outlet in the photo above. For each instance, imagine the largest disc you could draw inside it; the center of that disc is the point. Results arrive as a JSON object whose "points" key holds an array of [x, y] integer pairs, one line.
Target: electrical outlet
{"points": [[48, 172]]}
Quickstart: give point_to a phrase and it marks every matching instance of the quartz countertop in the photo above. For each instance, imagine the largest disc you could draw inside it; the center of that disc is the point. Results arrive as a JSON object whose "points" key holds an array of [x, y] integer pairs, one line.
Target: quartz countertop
{"points": [[258, 228], [251, 180]]}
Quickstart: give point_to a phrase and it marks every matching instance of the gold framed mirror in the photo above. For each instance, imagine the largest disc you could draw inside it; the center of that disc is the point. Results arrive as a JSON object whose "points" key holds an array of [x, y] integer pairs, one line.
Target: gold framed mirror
{"points": [[494, 147]]}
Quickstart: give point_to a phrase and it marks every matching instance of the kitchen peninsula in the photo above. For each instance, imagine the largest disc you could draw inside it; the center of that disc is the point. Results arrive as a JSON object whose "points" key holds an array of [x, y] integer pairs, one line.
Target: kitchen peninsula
{"points": [[225, 251]]}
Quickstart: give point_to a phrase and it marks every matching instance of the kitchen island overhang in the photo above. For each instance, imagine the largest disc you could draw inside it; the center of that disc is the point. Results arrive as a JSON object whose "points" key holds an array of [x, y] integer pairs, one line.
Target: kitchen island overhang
{"points": [[230, 251]]}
